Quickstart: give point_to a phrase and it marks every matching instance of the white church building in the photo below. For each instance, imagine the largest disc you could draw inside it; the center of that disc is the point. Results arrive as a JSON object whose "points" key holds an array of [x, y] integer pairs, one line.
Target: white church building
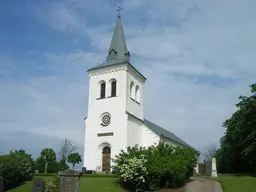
{"points": [[115, 118]]}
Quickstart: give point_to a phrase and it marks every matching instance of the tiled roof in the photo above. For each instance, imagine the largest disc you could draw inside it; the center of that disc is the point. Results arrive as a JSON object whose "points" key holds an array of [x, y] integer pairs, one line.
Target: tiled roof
{"points": [[161, 131]]}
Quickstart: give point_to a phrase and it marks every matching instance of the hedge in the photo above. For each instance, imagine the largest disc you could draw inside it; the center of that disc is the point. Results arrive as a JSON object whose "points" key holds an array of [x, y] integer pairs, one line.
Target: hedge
{"points": [[97, 175]]}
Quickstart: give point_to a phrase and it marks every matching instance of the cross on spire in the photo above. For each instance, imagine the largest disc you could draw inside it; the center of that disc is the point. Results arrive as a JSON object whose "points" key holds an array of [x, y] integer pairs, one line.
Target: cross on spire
{"points": [[119, 11], [118, 51]]}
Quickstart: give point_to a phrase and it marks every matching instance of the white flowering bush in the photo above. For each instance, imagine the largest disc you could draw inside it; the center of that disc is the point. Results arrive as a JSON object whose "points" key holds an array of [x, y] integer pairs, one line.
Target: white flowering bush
{"points": [[154, 167], [134, 170], [50, 187]]}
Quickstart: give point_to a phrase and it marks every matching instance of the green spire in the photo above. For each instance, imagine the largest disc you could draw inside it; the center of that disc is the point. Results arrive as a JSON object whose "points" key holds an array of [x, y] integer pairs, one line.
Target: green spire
{"points": [[118, 51]]}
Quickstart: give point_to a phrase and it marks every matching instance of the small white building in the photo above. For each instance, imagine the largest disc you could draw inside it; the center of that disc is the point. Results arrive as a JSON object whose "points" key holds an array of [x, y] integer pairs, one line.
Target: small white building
{"points": [[116, 109]]}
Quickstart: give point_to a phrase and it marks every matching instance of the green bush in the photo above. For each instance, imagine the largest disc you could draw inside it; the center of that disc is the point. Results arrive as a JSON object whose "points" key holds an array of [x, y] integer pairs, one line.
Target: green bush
{"points": [[26, 164], [53, 186], [45, 174], [10, 170], [53, 166], [155, 167], [97, 175], [16, 168], [84, 175], [62, 165]]}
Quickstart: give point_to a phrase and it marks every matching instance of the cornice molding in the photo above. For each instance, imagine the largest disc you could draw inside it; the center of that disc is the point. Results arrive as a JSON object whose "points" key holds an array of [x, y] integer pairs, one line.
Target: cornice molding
{"points": [[136, 75], [109, 70]]}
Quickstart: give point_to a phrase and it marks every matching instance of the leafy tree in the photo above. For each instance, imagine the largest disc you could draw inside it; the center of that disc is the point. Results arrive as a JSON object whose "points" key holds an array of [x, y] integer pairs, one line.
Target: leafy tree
{"points": [[238, 145], [74, 158], [48, 155], [67, 147], [53, 166]]}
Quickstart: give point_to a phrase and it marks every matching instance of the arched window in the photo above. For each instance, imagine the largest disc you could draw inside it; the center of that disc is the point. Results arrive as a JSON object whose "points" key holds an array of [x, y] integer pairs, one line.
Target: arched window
{"points": [[113, 89], [102, 89], [137, 94], [132, 90]]}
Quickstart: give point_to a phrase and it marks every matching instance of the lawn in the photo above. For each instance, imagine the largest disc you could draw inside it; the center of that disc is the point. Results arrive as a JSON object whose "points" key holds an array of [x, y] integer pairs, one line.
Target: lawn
{"points": [[236, 183], [88, 184]]}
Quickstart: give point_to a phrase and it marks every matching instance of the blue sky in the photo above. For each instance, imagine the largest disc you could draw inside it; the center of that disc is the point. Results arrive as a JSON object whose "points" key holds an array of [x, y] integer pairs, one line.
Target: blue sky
{"points": [[198, 57]]}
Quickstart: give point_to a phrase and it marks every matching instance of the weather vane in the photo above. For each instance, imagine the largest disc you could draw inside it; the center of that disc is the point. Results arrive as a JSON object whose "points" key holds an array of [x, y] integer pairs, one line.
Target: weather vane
{"points": [[119, 11]]}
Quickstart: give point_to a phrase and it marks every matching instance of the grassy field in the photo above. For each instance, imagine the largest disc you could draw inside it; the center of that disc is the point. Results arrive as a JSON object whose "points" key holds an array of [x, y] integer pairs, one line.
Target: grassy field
{"points": [[236, 183], [88, 184]]}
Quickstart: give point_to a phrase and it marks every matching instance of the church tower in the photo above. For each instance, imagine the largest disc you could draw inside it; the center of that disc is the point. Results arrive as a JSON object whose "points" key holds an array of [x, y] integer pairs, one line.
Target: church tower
{"points": [[115, 107]]}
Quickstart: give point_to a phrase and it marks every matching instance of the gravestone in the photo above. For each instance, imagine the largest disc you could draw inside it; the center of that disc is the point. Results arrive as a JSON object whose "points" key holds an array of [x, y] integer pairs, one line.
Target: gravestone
{"points": [[83, 170], [69, 180], [214, 168], [1, 184], [36, 171], [38, 185]]}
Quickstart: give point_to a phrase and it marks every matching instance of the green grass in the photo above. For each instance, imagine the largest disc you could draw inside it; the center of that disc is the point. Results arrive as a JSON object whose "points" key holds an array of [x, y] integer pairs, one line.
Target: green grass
{"points": [[236, 183], [88, 184]]}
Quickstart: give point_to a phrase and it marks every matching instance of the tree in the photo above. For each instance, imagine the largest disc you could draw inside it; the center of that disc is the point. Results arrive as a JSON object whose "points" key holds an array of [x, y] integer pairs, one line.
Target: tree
{"points": [[48, 154], [74, 158], [210, 152], [66, 149], [238, 147]]}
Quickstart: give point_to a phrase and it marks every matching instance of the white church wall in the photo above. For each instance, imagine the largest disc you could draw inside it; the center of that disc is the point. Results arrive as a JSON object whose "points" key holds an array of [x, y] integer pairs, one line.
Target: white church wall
{"points": [[134, 132], [135, 107], [115, 106], [149, 137]]}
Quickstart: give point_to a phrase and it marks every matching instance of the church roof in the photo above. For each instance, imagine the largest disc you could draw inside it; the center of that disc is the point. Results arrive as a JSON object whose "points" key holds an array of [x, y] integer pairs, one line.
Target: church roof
{"points": [[118, 52], [163, 132]]}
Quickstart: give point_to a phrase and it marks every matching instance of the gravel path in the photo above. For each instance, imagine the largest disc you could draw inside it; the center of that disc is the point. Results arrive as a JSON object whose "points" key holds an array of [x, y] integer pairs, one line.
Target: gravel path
{"points": [[202, 185]]}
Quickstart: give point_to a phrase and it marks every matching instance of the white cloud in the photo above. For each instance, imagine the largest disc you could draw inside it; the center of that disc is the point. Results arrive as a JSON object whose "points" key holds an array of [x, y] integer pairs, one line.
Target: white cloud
{"points": [[174, 43]]}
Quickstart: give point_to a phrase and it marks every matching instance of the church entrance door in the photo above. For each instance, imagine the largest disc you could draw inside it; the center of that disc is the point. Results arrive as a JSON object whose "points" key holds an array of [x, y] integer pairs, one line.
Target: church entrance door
{"points": [[106, 156]]}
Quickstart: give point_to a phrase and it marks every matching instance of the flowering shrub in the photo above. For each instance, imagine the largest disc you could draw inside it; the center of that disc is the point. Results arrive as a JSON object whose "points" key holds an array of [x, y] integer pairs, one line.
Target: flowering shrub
{"points": [[155, 167], [16, 168], [134, 171], [50, 187]]}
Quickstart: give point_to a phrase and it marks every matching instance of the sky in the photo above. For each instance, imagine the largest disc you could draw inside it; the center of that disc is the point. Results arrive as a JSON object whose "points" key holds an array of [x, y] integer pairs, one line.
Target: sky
{"points": [[198, 56]]}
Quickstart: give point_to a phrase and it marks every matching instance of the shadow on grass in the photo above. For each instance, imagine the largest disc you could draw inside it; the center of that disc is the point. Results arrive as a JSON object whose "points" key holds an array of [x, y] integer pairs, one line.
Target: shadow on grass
{"points": [[237, 175], [14, 185], [125, 186], [130, 188]]}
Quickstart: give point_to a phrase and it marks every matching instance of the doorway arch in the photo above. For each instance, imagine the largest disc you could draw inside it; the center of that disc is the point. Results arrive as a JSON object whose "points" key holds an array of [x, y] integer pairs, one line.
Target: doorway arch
{"points": [[106, 158]]}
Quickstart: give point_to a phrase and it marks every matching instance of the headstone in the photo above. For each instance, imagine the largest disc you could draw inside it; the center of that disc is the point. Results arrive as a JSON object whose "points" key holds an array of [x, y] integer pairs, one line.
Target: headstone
{"points": [[69, 180], [98, 168], [38, 185], [1, 184], [214, 168], [36, 171], [83, 170]]}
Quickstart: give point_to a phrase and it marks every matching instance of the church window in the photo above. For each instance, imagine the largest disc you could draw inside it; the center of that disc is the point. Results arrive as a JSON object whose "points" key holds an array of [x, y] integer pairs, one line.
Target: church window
{"points": [[132, 90], [113, 89], [105, 119], [102, 90], [137, 94]]}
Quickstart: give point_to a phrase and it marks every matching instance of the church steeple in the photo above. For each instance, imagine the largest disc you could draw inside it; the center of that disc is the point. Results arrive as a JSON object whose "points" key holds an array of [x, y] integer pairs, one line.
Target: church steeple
{"points": [[118, 51]]}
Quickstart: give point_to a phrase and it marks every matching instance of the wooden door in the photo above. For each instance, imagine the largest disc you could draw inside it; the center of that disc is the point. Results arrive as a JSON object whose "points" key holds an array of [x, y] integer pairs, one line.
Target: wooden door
{"points": [[106, 156]]}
